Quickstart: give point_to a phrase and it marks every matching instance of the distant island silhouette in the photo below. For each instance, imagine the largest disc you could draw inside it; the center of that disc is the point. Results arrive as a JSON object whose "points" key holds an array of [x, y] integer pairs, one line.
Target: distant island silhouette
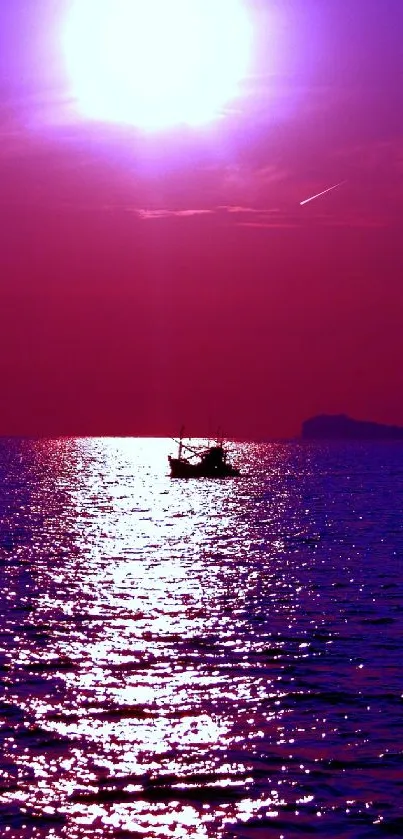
{"points": [[343, 427]]}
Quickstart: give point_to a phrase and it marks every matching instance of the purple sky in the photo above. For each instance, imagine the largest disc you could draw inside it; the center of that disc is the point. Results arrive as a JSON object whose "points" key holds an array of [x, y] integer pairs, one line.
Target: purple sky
{"points": [[150, 281]]}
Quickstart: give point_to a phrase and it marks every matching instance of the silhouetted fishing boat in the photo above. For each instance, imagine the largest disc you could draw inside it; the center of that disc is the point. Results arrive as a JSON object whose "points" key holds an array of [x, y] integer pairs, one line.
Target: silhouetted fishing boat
{"points": [[210, 462]]}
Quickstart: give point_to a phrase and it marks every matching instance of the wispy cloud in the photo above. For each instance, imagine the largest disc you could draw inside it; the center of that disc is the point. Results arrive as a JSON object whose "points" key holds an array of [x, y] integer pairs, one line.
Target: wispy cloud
{"points": [[164, 213]]}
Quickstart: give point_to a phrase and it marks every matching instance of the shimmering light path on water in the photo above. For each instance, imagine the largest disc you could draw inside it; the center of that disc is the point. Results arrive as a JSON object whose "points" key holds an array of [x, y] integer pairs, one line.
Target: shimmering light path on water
{"points": [[200, 658]]}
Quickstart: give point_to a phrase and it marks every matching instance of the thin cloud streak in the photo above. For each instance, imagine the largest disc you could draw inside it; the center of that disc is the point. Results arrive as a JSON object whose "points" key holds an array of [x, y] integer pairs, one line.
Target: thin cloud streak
{"points": [[318, 194]]}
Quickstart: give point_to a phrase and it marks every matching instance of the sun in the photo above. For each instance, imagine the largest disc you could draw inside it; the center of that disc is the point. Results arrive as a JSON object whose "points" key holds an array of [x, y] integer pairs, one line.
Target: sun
{"points": [[156, 64]]}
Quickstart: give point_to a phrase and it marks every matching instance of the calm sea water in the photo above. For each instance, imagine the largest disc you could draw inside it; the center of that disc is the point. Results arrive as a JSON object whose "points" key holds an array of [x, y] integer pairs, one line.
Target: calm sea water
{"points": [[200, 658]]}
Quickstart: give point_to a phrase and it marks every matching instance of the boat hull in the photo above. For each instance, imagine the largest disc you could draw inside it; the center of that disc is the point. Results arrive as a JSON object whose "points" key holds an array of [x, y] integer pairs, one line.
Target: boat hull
{"points": [[181, 468]]}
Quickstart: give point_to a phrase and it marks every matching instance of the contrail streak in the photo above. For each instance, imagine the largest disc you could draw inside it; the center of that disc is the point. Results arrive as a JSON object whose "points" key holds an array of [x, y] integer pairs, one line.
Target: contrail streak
{"points": [[318, 194]]}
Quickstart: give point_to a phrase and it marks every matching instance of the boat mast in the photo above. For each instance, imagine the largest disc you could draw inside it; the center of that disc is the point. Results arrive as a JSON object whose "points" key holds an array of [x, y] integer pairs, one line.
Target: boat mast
{"points": [[180, 442]]}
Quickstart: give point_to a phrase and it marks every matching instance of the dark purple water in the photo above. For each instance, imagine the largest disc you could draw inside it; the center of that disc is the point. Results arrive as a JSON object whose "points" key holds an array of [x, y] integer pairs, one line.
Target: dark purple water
{"points": [[200, 659]]}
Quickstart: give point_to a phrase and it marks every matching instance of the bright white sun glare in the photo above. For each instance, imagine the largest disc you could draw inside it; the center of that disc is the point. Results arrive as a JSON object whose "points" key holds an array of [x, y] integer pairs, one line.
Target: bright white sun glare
{"points": [[156, 63]]}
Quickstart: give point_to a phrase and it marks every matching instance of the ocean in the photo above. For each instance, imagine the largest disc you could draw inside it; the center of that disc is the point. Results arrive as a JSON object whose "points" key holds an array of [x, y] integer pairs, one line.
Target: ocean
{"points": [[200, 658]]}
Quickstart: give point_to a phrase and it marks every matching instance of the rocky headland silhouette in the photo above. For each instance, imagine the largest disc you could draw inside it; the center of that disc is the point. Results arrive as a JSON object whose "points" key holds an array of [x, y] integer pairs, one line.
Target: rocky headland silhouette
{"points": [[343, 427]]}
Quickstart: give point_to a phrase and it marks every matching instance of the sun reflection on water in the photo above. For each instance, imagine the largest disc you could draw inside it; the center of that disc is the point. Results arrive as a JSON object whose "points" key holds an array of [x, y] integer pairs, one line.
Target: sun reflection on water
{"points": [[139, 610]]}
